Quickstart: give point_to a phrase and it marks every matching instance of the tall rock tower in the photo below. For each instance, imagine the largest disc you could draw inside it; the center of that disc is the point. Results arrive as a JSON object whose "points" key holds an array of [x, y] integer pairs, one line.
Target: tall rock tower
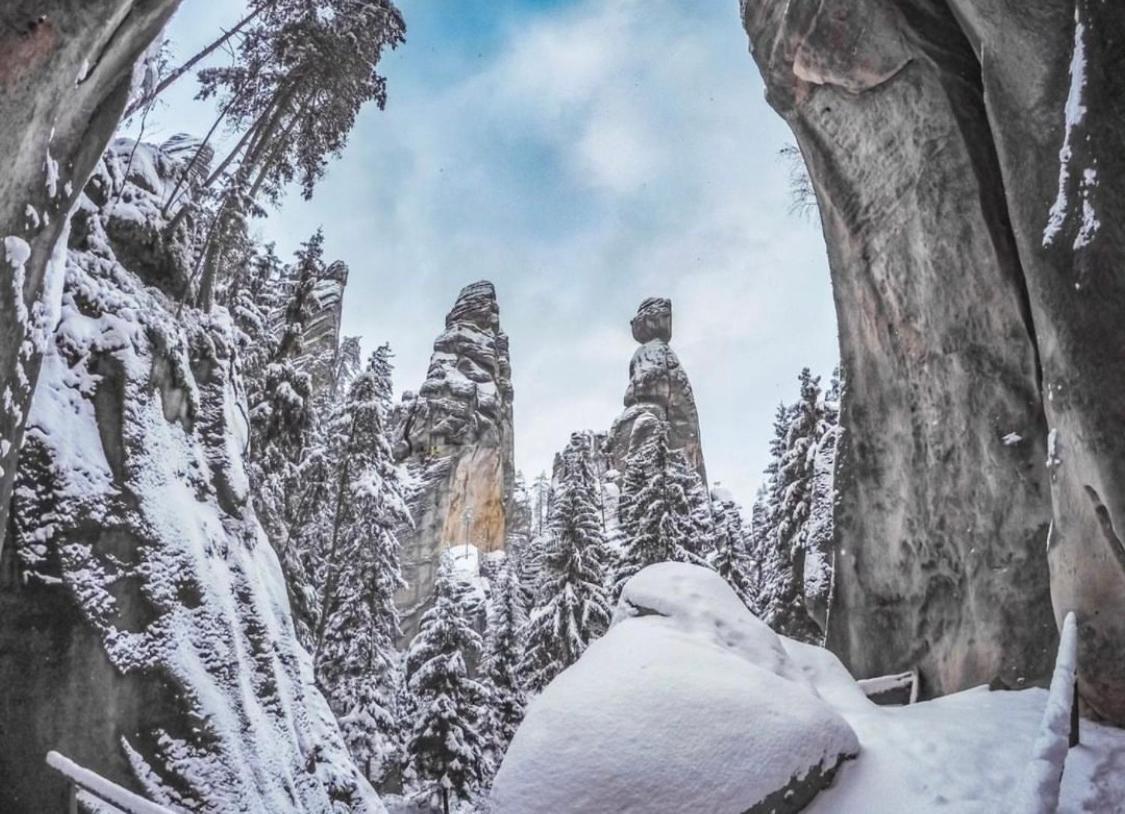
{"points": [[658, 386], [455, 435]]}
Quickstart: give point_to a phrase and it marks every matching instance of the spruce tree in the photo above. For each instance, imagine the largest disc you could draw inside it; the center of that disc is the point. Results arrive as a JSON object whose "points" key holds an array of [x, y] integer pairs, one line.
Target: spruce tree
{"points": [[446, 746], [356, 572], [502, 653], [781, 521], [664, 511], [282, 408], [731, 557], [574, 609]]}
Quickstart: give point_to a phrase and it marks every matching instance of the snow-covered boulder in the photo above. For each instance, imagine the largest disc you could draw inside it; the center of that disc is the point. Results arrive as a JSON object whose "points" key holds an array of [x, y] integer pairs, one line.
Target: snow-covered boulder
{"points": [[687, 704]]}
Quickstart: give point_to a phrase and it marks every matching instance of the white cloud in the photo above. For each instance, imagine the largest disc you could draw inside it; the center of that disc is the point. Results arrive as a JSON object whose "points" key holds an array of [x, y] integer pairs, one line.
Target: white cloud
{"points": [[591, 155]]}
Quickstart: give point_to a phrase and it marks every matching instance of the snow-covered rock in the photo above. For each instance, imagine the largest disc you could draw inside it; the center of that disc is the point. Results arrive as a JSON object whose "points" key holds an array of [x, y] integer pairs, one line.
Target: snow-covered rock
{"points": [[687, 704], [145, 629], [455, 438], [658, 386], [64, 79]]}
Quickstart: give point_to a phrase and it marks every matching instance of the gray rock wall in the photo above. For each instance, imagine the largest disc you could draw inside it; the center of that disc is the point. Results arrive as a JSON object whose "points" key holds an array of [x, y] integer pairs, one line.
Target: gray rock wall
{"points": [[145, 629], [978, 307], [65, 73]]}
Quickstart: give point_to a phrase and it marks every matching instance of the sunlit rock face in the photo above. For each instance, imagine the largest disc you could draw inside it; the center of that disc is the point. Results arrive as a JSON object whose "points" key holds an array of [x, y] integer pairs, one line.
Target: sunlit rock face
{"points": [[145, 628], [658, 386], [455, 437], [973, 204]]}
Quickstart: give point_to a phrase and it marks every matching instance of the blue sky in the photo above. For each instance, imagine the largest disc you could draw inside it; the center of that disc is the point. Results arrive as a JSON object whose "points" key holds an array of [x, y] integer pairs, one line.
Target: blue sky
{"points": [[582, 155]]}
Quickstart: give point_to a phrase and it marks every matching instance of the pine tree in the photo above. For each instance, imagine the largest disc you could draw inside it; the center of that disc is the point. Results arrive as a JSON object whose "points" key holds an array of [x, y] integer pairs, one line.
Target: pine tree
{"points": [[302, 71], [357, 571], [664, 511], [502, 653], [446, 746], [731, 557], [540, 504], [282, 410], [572, 579], [782, 525]]}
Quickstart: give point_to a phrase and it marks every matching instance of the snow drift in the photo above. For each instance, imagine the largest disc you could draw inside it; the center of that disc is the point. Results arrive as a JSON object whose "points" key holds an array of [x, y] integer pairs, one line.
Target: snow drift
{"points": [[688, 703]]}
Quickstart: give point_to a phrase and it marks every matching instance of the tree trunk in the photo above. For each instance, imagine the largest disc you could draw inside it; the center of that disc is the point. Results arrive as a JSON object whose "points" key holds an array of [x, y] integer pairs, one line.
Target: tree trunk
{"points": [[171, 78]]}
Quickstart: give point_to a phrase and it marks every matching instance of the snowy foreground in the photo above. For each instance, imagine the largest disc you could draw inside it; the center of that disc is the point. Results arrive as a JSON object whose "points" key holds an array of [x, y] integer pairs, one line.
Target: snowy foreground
{"points": [[689, 703]]}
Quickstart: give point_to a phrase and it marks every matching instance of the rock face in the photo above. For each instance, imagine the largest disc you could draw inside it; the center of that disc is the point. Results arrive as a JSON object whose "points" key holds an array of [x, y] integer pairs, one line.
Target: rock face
{"points": [[659, 386], [322, 341], [688, 703], [973, 205], [145, 630], [455, 436], [66, 70]]}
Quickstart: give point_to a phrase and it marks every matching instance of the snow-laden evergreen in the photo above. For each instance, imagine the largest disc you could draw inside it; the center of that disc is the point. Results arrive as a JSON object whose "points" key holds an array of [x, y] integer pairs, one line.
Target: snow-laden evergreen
{"points": [[446, 748], [351, 553], [791, 534], [280, 392], [574, 607], [730, 555], [664, 511], [503, 650]]}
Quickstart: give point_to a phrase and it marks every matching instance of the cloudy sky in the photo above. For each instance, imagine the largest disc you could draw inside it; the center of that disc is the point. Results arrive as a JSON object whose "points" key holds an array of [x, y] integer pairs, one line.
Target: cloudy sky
{"points": [[581, 155]]}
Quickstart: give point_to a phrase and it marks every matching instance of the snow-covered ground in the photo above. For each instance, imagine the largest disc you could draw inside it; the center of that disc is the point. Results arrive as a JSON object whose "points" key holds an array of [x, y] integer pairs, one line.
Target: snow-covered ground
{"points": [[690, 704], [965, 753]]}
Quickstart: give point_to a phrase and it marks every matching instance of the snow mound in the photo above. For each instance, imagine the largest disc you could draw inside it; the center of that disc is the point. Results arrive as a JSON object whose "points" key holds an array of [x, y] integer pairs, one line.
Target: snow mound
{"points": [[688, 703]]}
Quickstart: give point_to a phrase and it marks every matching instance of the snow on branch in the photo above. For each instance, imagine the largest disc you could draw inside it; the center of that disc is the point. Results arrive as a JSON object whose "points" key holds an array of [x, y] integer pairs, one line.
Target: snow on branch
{"points": [[1038, 789], [121, 799]]}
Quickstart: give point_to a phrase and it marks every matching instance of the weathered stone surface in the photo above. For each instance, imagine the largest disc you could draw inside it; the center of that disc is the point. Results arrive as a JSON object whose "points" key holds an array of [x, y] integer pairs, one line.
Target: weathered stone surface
{"points": [[65, 74], [653, 320], [455, 437], [658, 386], [975, 240]]}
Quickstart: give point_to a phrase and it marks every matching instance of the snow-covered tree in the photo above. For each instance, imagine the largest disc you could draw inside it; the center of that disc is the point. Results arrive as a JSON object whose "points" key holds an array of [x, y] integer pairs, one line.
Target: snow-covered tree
{"points": [[574, 609], [502, 653], [664, 511], [540, 504], [731, 556], [820, 525], [355, 561], [282, 409], [792, 523], [446, 747]]}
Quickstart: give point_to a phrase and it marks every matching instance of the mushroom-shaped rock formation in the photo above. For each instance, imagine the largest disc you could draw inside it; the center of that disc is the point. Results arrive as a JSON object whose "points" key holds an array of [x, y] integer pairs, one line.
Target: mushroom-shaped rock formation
{"points": [[658, 386]]}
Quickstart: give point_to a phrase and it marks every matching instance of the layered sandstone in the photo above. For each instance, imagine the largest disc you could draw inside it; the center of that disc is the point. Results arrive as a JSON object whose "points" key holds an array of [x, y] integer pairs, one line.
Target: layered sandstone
{"points": [[66, 70], [455, 436], [968, 162], [145, 629]]}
